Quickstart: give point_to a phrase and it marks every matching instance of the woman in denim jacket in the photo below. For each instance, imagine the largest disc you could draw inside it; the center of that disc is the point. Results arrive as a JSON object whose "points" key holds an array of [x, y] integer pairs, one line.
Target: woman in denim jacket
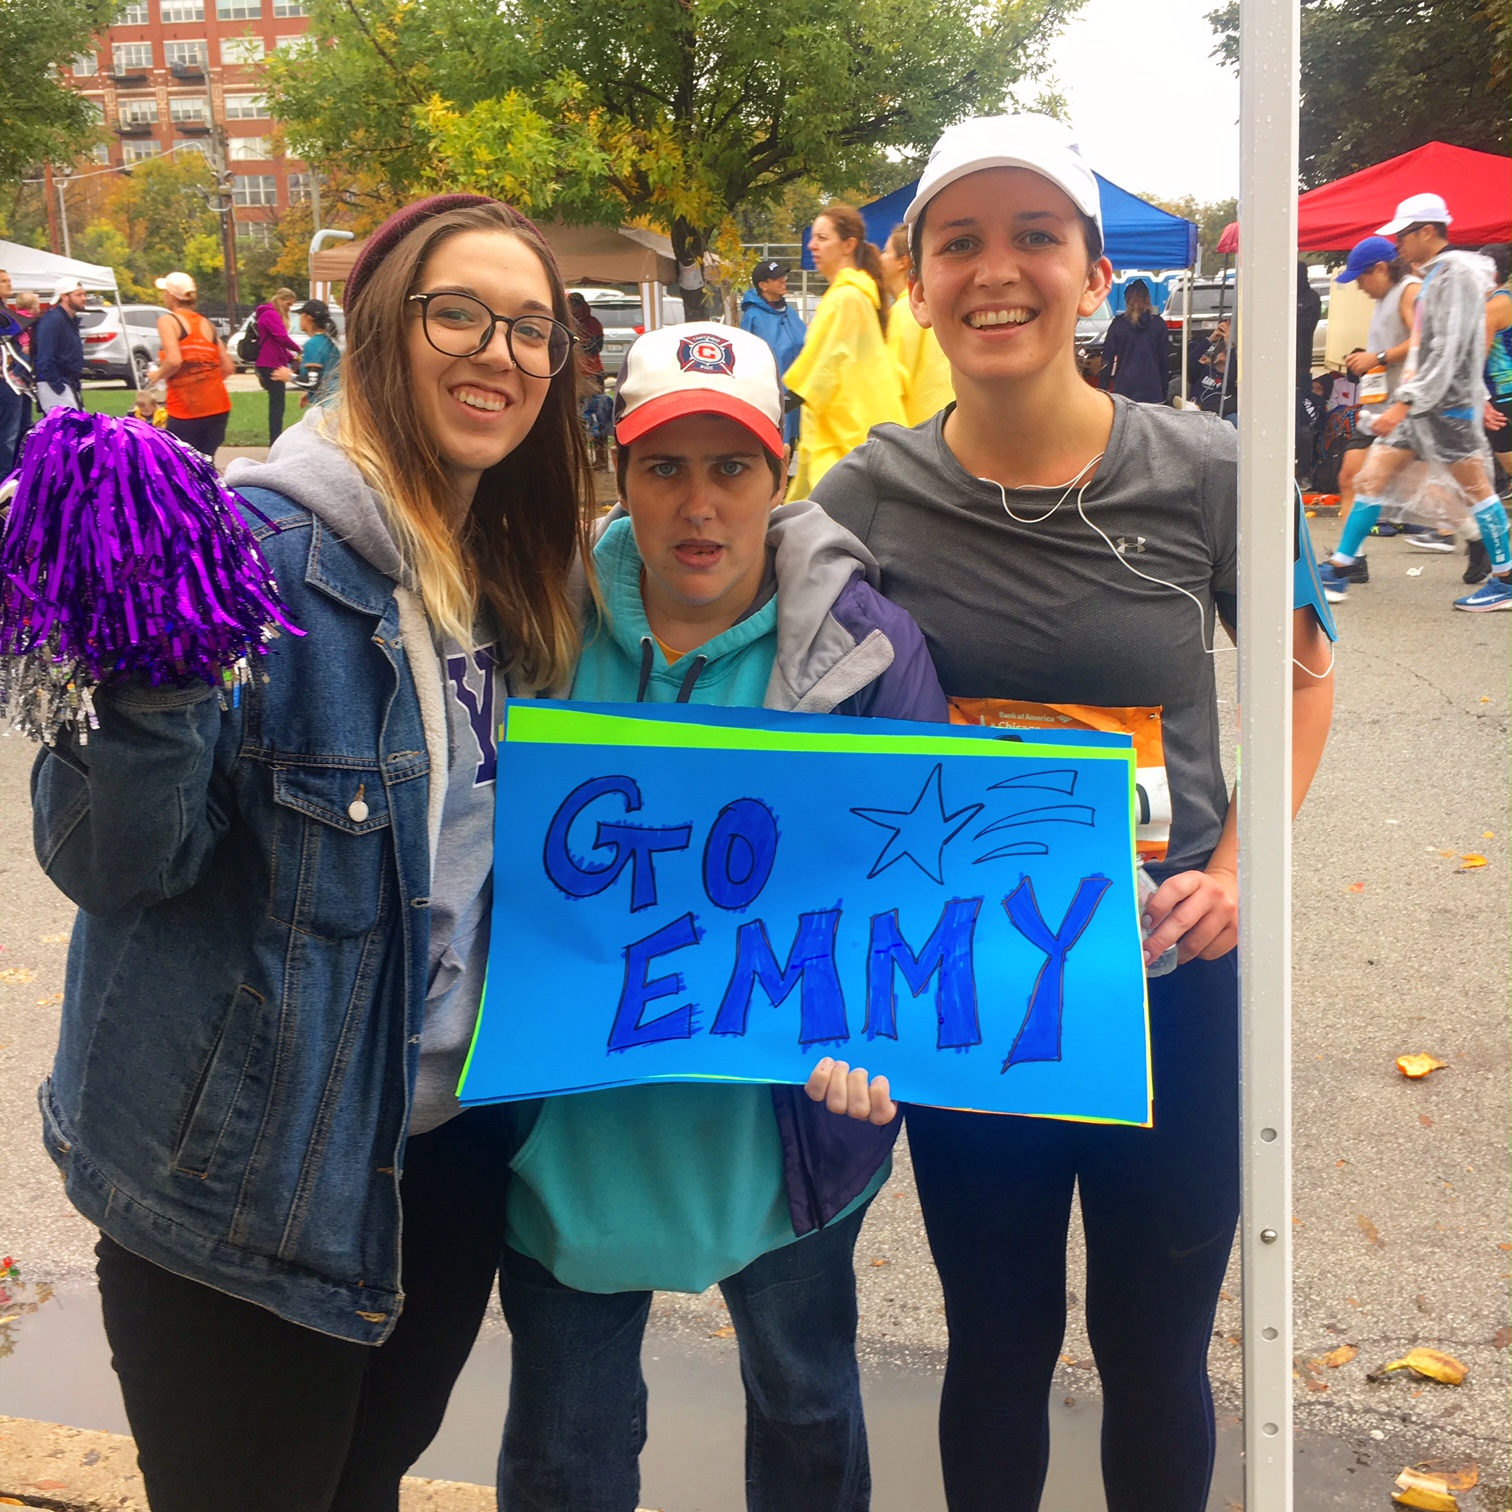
{"points": [[284, 904]]}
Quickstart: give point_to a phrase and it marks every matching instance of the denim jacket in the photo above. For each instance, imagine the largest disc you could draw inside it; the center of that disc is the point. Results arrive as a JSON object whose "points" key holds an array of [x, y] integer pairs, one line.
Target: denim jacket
{"points": [[247, 974]]}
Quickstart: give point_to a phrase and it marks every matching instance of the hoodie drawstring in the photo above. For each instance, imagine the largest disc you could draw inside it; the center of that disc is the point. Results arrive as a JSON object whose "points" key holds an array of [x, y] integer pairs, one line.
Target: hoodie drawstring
{"points": [[648, 662], [692, 675]]}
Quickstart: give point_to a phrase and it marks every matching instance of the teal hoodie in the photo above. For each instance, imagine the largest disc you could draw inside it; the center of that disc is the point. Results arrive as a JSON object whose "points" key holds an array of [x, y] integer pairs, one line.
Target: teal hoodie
{"points": [[677, 1185]]}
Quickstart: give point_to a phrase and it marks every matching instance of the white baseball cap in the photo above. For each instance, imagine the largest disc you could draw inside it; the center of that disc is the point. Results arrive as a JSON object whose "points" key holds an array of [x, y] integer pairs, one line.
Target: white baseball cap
{"points": [[699, 369], [66, 286], [1414, 210], [180, 285], [1034, 142]]}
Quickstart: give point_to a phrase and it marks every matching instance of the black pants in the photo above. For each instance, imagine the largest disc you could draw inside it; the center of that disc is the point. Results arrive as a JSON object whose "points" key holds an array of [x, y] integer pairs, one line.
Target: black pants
{"points": [[274, 387], [205, 433], [1159, 1207], [236, 1410]]}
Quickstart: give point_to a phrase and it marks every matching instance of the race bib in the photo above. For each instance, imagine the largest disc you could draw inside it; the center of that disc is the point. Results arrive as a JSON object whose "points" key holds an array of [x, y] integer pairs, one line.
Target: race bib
{"points": [[1152, 790]]}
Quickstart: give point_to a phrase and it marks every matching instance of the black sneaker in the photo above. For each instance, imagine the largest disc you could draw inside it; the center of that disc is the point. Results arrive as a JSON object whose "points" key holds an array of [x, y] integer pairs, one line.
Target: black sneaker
{"points": [[1478, 569], [1358, 570]]}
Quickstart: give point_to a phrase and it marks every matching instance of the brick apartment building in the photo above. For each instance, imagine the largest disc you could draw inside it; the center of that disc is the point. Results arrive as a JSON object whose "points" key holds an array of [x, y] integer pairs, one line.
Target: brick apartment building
{"points": [[183, 73]]}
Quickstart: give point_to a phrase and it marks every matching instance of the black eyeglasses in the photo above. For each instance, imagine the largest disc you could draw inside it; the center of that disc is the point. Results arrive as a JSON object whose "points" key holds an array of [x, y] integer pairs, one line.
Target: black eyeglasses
{"points": [[458, 325]]}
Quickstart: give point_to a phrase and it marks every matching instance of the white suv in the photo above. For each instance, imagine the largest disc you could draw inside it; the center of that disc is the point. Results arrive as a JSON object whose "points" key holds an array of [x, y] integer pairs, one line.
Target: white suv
{"points": [[120, 341]]}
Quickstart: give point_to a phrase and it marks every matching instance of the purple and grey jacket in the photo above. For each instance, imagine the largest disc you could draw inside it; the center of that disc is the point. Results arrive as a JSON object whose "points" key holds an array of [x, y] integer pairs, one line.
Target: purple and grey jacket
{"points": [[841, 649]]}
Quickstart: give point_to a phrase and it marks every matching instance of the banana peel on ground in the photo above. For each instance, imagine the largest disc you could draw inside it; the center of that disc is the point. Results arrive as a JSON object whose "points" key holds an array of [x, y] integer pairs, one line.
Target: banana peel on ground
{"points": [[1430, 1485], [1430, 1363]]}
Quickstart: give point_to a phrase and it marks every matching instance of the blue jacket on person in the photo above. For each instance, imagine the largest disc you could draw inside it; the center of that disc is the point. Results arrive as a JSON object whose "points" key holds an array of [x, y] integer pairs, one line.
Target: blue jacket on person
{"points": [[58, 349], [248, 969], [782, 328]]}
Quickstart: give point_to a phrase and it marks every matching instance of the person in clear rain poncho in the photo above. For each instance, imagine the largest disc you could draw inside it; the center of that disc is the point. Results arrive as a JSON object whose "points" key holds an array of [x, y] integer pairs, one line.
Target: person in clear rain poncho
{"points": [[1437, 413]]}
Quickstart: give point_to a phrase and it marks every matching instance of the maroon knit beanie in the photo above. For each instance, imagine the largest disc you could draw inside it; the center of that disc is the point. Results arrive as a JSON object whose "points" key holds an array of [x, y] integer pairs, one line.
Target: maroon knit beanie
{"points": [[394, 230]]}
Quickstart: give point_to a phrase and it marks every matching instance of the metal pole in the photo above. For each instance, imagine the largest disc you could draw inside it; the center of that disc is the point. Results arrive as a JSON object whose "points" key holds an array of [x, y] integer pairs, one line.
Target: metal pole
{"points": [[63, 216], [1186, 338], [1269, 50], [318, 241]]}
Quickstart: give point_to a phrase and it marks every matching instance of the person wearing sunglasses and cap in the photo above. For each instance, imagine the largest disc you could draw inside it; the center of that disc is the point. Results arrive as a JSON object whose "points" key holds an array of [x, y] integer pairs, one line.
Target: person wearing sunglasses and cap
{"points": [[284, 901], [765, 312], [1437, 412], [1062, 545], [714, 592]]}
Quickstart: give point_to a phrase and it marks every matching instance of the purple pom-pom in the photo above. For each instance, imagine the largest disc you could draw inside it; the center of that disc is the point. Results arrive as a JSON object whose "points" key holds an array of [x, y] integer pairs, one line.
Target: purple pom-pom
{"points": [[124, 554]]}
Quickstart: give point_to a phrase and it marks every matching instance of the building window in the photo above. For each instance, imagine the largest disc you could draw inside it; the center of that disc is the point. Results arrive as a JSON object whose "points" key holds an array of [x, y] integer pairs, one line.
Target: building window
{"points": [[133, 15], [296, 45], [85, 65], [101, 153], [181, 10], [245, 107], [192, 112], [238, 10], [186, 54], [96, 111], [258, 233], [132, 57], [241, 50], [299, 188], [142, 112], [139, 152], [249, 150], [286, 8], [254, 189]]}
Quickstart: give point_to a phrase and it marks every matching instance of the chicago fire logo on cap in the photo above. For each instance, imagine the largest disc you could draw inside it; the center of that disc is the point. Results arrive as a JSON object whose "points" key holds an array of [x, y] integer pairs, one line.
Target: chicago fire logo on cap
{"points": [[706, 353]]}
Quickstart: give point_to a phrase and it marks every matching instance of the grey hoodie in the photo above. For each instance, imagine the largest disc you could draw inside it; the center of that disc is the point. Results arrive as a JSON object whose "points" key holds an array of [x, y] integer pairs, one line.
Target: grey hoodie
{"points": [[461, 693]]}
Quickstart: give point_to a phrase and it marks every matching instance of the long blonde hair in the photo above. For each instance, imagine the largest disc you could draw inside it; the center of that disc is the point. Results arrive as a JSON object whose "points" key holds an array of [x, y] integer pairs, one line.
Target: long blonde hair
{"points": [[530, 518]]}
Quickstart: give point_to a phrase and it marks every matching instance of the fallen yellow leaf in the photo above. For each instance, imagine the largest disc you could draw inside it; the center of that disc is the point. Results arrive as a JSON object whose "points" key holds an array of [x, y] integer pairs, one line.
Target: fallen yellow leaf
{"points": [[15, 976], [878, 1263], [1416, 1066], [1340, 1356], [1433, 1364], [727, 1332], [1487, 835], [1457, 1475], [1368, 1229], [1472, 860], [56, 939]]}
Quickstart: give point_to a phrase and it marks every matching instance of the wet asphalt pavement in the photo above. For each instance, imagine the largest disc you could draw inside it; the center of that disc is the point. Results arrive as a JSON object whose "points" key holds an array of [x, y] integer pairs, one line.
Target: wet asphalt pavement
{"points": [[1401, 1188]]}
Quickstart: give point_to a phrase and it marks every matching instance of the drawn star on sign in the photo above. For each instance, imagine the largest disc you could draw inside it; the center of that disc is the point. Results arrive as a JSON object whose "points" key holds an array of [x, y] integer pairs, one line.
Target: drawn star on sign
{"points": [[920, 833]]}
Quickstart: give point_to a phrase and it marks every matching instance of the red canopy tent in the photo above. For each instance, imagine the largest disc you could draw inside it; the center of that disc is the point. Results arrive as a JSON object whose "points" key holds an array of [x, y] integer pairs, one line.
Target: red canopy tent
{"points": [[1476, 186]]}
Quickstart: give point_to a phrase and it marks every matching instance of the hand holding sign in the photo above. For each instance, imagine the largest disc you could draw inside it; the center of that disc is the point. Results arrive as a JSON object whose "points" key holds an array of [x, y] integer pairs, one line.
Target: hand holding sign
{"points": [[716, 895]]}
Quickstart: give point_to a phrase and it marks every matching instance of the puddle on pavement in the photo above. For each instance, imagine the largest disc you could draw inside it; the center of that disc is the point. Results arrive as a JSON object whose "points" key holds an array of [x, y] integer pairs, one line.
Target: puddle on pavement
{"points": [[57, 1369]]}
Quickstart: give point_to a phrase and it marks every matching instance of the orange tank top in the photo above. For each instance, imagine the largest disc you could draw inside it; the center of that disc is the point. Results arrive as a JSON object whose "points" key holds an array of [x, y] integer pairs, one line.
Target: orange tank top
{"points": [[199, 387]]}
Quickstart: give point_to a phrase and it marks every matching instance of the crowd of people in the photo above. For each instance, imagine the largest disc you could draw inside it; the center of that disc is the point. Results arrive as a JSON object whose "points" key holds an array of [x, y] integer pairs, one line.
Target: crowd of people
{"points": [[285, 899]]}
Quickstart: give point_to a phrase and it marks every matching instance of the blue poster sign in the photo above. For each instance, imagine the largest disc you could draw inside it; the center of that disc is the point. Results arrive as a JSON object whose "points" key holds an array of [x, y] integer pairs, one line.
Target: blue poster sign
{"points": [[687, 894]]}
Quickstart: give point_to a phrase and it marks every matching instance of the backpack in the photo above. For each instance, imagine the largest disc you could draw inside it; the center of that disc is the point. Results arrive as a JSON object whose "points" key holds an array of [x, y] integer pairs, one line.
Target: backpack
{"points": [[250, 341]]}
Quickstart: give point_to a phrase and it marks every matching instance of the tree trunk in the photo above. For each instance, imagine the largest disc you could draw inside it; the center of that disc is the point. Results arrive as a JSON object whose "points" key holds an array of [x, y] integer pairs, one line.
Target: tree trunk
{"points": [[688, 245]]}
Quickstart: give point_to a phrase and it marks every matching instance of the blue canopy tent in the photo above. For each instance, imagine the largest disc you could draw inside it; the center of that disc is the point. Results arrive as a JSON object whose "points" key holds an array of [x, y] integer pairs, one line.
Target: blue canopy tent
{"points": [[1135, 234]]}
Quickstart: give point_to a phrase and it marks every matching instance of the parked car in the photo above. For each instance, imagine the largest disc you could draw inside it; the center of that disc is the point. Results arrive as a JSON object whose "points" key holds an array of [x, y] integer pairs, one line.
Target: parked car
{"points": [[1092, 331], [120, 341], [624, 318], [337, 314], [1208, 294]]}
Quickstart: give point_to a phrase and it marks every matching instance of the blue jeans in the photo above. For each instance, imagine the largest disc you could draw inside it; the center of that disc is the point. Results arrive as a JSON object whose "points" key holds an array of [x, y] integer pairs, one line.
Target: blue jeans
{"points": [[15, 421], [577, 1398]]}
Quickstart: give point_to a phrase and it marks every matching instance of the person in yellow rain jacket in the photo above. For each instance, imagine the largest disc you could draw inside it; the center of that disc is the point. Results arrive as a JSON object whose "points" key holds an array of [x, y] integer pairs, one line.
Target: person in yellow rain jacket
{"points": [[923, 372], [844, 375]]}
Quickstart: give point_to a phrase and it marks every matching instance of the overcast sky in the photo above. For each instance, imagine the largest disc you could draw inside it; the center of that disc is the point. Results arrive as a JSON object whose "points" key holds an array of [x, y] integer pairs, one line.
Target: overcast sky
{"points": [[1152, 111]]}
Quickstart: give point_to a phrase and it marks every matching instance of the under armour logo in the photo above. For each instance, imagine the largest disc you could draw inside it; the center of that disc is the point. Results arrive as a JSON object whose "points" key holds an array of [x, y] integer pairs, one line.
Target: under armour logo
{"points": [[1130, 545]]}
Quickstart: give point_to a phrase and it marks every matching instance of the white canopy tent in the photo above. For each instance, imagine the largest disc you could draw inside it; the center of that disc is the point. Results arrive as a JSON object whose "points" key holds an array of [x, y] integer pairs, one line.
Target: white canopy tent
{"points": [[40, 272]]}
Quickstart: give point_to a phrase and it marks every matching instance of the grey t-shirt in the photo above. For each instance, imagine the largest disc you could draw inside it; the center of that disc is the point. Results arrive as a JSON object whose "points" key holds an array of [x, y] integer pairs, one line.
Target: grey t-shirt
{"points": [[461, 884], [1045, 611]]}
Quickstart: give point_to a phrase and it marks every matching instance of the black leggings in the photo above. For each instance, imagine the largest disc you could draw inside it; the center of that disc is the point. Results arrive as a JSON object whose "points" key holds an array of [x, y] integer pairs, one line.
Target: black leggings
{"points": [[205, 433], [275, 391], [236, 1410], [1159, 1207]]}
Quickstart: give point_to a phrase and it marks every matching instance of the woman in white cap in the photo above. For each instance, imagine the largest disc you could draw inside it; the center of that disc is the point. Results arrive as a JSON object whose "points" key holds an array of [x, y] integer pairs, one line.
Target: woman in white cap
{"points": [[1060, 544], [194, 364]]}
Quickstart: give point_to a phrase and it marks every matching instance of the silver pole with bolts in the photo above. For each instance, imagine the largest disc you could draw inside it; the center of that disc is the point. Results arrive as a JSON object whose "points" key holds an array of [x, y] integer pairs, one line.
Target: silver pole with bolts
{"points": [[1269, 52]]}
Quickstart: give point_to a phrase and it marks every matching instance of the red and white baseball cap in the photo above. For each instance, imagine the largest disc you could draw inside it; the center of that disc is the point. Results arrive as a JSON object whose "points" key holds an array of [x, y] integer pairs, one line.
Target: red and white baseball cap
{"points": [[699, 369]]}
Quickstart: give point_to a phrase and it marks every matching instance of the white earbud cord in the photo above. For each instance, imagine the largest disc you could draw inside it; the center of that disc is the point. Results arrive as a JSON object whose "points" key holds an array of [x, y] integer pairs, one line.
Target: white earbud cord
{"points": [[1210, 650]]}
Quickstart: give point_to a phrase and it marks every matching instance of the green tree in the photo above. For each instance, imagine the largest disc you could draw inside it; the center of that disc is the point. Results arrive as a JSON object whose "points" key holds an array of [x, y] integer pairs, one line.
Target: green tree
{"points": [[1380, 77], [41, 119], [674, 112]]}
